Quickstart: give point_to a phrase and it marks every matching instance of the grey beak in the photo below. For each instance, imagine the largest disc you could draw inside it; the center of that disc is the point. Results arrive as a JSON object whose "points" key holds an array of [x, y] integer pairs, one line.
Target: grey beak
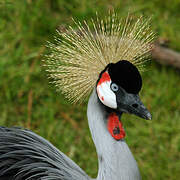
{"points": [[131, 103], [140, 110], [148, 115]]}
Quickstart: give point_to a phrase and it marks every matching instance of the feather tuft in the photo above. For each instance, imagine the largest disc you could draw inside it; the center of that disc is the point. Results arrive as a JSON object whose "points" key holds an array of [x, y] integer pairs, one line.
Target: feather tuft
{"points": [[81, 53]]}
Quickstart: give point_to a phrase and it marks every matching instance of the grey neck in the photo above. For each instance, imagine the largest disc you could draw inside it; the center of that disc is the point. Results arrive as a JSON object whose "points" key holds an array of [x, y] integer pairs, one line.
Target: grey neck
{"points": [[116, 161]]}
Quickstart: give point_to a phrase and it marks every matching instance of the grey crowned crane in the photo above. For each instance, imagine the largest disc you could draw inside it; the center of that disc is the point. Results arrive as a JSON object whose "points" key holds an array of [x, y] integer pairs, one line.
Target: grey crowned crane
{"points": [[105, 60]]}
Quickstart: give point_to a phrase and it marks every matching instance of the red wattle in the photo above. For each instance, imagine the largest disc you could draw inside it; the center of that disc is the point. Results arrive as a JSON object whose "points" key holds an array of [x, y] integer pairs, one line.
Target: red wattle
{"points": [[115, 127]]}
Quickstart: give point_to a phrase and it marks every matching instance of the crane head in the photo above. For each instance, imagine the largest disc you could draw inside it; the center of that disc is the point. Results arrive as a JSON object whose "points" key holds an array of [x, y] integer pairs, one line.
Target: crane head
{"points": [[83, 51], [118, 87]]}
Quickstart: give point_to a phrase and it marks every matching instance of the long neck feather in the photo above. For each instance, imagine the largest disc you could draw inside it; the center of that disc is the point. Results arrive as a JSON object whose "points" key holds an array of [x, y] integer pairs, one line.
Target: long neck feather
{"points": [[116, 161]]}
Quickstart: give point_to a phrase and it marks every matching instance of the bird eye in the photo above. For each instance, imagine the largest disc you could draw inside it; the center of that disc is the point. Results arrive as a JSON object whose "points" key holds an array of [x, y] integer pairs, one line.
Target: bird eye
{"points": [[114, 87]]}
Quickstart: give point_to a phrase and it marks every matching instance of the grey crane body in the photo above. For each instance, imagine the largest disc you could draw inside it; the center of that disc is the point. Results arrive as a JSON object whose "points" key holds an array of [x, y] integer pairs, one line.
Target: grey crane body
{"points": [[25, 155]]}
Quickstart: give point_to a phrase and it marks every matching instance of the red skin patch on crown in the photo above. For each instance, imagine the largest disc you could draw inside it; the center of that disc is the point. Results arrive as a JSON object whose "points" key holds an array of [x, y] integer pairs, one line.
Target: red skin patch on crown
{"points": [[115, 127], [104, 77]]}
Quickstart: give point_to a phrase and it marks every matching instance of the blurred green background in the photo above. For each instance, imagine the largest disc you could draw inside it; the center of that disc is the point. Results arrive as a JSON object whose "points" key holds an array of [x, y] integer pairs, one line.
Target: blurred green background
{"points": [[28, 100]]}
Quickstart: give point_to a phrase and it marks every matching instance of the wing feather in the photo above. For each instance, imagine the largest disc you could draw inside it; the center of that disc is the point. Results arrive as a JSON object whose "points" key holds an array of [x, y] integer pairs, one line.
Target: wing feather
{"points": [[25, 155]]}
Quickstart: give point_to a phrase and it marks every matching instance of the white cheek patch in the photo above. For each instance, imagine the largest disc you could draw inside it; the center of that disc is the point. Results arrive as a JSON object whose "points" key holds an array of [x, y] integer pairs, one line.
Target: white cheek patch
{"points": [[106, 95]]}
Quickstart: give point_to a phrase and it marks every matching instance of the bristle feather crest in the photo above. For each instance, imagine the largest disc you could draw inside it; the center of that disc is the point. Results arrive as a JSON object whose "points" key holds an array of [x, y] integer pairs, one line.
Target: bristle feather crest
{"points": [[79, 55]]}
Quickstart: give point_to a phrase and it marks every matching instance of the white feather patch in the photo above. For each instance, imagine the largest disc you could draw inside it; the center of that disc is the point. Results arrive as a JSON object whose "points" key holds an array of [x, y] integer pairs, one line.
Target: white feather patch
{"points": [[106, 95]]}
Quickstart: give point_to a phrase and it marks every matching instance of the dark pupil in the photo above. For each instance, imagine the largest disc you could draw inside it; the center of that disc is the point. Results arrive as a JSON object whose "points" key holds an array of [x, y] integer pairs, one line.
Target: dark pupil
{"points": [[114, 87]]}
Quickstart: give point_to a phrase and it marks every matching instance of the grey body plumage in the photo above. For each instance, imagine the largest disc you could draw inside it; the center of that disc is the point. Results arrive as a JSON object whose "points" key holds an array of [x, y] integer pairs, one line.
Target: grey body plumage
{"points": [[26, 156]]}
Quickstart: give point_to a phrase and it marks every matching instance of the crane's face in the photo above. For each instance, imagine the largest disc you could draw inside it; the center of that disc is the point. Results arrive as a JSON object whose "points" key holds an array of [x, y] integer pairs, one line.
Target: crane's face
{"points": [[118, 88], [105, 92]]}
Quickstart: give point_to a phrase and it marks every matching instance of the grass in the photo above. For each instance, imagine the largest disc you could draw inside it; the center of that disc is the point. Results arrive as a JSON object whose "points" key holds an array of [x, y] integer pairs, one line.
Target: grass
{"points": [[28, 100]]}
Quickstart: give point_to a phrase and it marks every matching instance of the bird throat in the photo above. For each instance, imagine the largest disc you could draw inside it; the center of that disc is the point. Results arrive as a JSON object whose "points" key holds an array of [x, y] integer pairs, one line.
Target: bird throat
{"points": [[115, 126]]}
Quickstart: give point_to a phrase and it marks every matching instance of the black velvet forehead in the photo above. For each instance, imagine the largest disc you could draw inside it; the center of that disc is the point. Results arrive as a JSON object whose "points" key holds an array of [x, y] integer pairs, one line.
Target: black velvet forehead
{"points": [[126, 75]]}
